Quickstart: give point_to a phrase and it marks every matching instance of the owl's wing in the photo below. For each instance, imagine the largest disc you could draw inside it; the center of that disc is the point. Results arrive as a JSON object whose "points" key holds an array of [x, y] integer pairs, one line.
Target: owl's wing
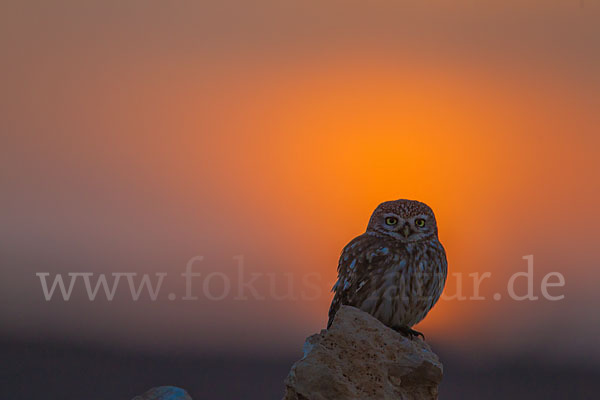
{"points": [[364, 258]]}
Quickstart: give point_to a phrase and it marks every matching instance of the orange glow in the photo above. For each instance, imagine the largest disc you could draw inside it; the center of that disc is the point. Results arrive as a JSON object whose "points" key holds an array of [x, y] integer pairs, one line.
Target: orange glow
{"points": [[282, 154]]}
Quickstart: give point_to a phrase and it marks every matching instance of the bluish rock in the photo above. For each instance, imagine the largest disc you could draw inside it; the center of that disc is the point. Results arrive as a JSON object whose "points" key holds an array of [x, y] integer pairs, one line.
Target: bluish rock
{"points": [[164, 393]]}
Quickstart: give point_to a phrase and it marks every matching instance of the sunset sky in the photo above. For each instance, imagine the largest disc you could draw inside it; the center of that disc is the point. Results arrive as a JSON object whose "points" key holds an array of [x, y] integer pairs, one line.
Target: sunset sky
{"points": [[136, 136]]}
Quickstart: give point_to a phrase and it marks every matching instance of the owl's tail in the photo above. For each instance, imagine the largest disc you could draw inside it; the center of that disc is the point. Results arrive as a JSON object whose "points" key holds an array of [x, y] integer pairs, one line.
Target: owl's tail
{"points": [[335, 305]]}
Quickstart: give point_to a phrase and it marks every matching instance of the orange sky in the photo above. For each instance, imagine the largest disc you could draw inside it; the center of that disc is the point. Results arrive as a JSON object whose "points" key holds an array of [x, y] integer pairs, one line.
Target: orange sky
{"points": [[137, 138]]}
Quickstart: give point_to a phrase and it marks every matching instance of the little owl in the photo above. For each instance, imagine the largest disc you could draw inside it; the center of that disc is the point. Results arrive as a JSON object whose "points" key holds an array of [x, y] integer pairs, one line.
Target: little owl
{"points": [[396, 270]]}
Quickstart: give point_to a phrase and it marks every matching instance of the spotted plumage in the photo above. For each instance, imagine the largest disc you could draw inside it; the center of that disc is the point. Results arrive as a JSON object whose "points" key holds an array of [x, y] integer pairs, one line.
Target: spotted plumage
{"points": [[396, 270]]}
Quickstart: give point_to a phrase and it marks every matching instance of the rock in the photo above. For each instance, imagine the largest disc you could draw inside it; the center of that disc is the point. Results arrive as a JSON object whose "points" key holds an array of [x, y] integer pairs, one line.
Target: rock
{"points": [[360, 358], [164, 393]]}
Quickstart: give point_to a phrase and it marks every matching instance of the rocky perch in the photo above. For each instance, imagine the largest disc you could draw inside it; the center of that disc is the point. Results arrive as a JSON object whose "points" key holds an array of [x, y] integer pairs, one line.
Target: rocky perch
{"points": [[360, 358]]}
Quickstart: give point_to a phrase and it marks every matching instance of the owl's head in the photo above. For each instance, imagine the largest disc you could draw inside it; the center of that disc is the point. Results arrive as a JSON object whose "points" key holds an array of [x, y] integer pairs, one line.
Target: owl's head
{"points": [[405, 220]]}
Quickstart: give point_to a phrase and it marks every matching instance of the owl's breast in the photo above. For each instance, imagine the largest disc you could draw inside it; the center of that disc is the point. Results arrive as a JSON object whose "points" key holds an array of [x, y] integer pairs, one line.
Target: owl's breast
{"points": [[405, 288]]}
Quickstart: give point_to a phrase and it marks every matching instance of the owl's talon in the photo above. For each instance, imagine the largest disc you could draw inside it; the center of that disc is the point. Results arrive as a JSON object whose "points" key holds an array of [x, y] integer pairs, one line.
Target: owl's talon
{"points": [[408, 332]]}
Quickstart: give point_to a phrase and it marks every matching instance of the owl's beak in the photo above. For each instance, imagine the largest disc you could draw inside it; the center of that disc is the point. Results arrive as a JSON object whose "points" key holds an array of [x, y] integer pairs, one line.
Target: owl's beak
{"points": [[406, 230]]}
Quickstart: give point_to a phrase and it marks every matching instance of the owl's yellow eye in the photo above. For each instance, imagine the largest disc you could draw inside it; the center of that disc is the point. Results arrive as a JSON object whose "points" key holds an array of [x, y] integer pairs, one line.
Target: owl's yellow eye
{"points": [[420, 222], [391, 220]]}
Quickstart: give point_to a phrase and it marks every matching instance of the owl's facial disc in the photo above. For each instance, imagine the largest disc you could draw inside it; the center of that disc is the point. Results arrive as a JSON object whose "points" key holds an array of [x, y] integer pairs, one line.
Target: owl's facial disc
{"points": [[403, 220], [405, 229]]}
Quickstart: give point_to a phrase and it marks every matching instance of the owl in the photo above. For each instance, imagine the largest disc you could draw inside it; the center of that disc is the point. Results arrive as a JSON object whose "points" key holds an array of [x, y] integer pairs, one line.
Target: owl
{"points": [[396, 270]]}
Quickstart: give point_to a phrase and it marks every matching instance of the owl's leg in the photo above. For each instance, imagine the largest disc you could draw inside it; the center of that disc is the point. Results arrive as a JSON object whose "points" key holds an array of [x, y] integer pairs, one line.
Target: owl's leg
{"points": [[408, 332]]}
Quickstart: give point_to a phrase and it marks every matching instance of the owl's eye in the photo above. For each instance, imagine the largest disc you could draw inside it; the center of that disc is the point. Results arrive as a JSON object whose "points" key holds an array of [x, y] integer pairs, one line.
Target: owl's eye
{"points": [[420, 222], [391, 220]]}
